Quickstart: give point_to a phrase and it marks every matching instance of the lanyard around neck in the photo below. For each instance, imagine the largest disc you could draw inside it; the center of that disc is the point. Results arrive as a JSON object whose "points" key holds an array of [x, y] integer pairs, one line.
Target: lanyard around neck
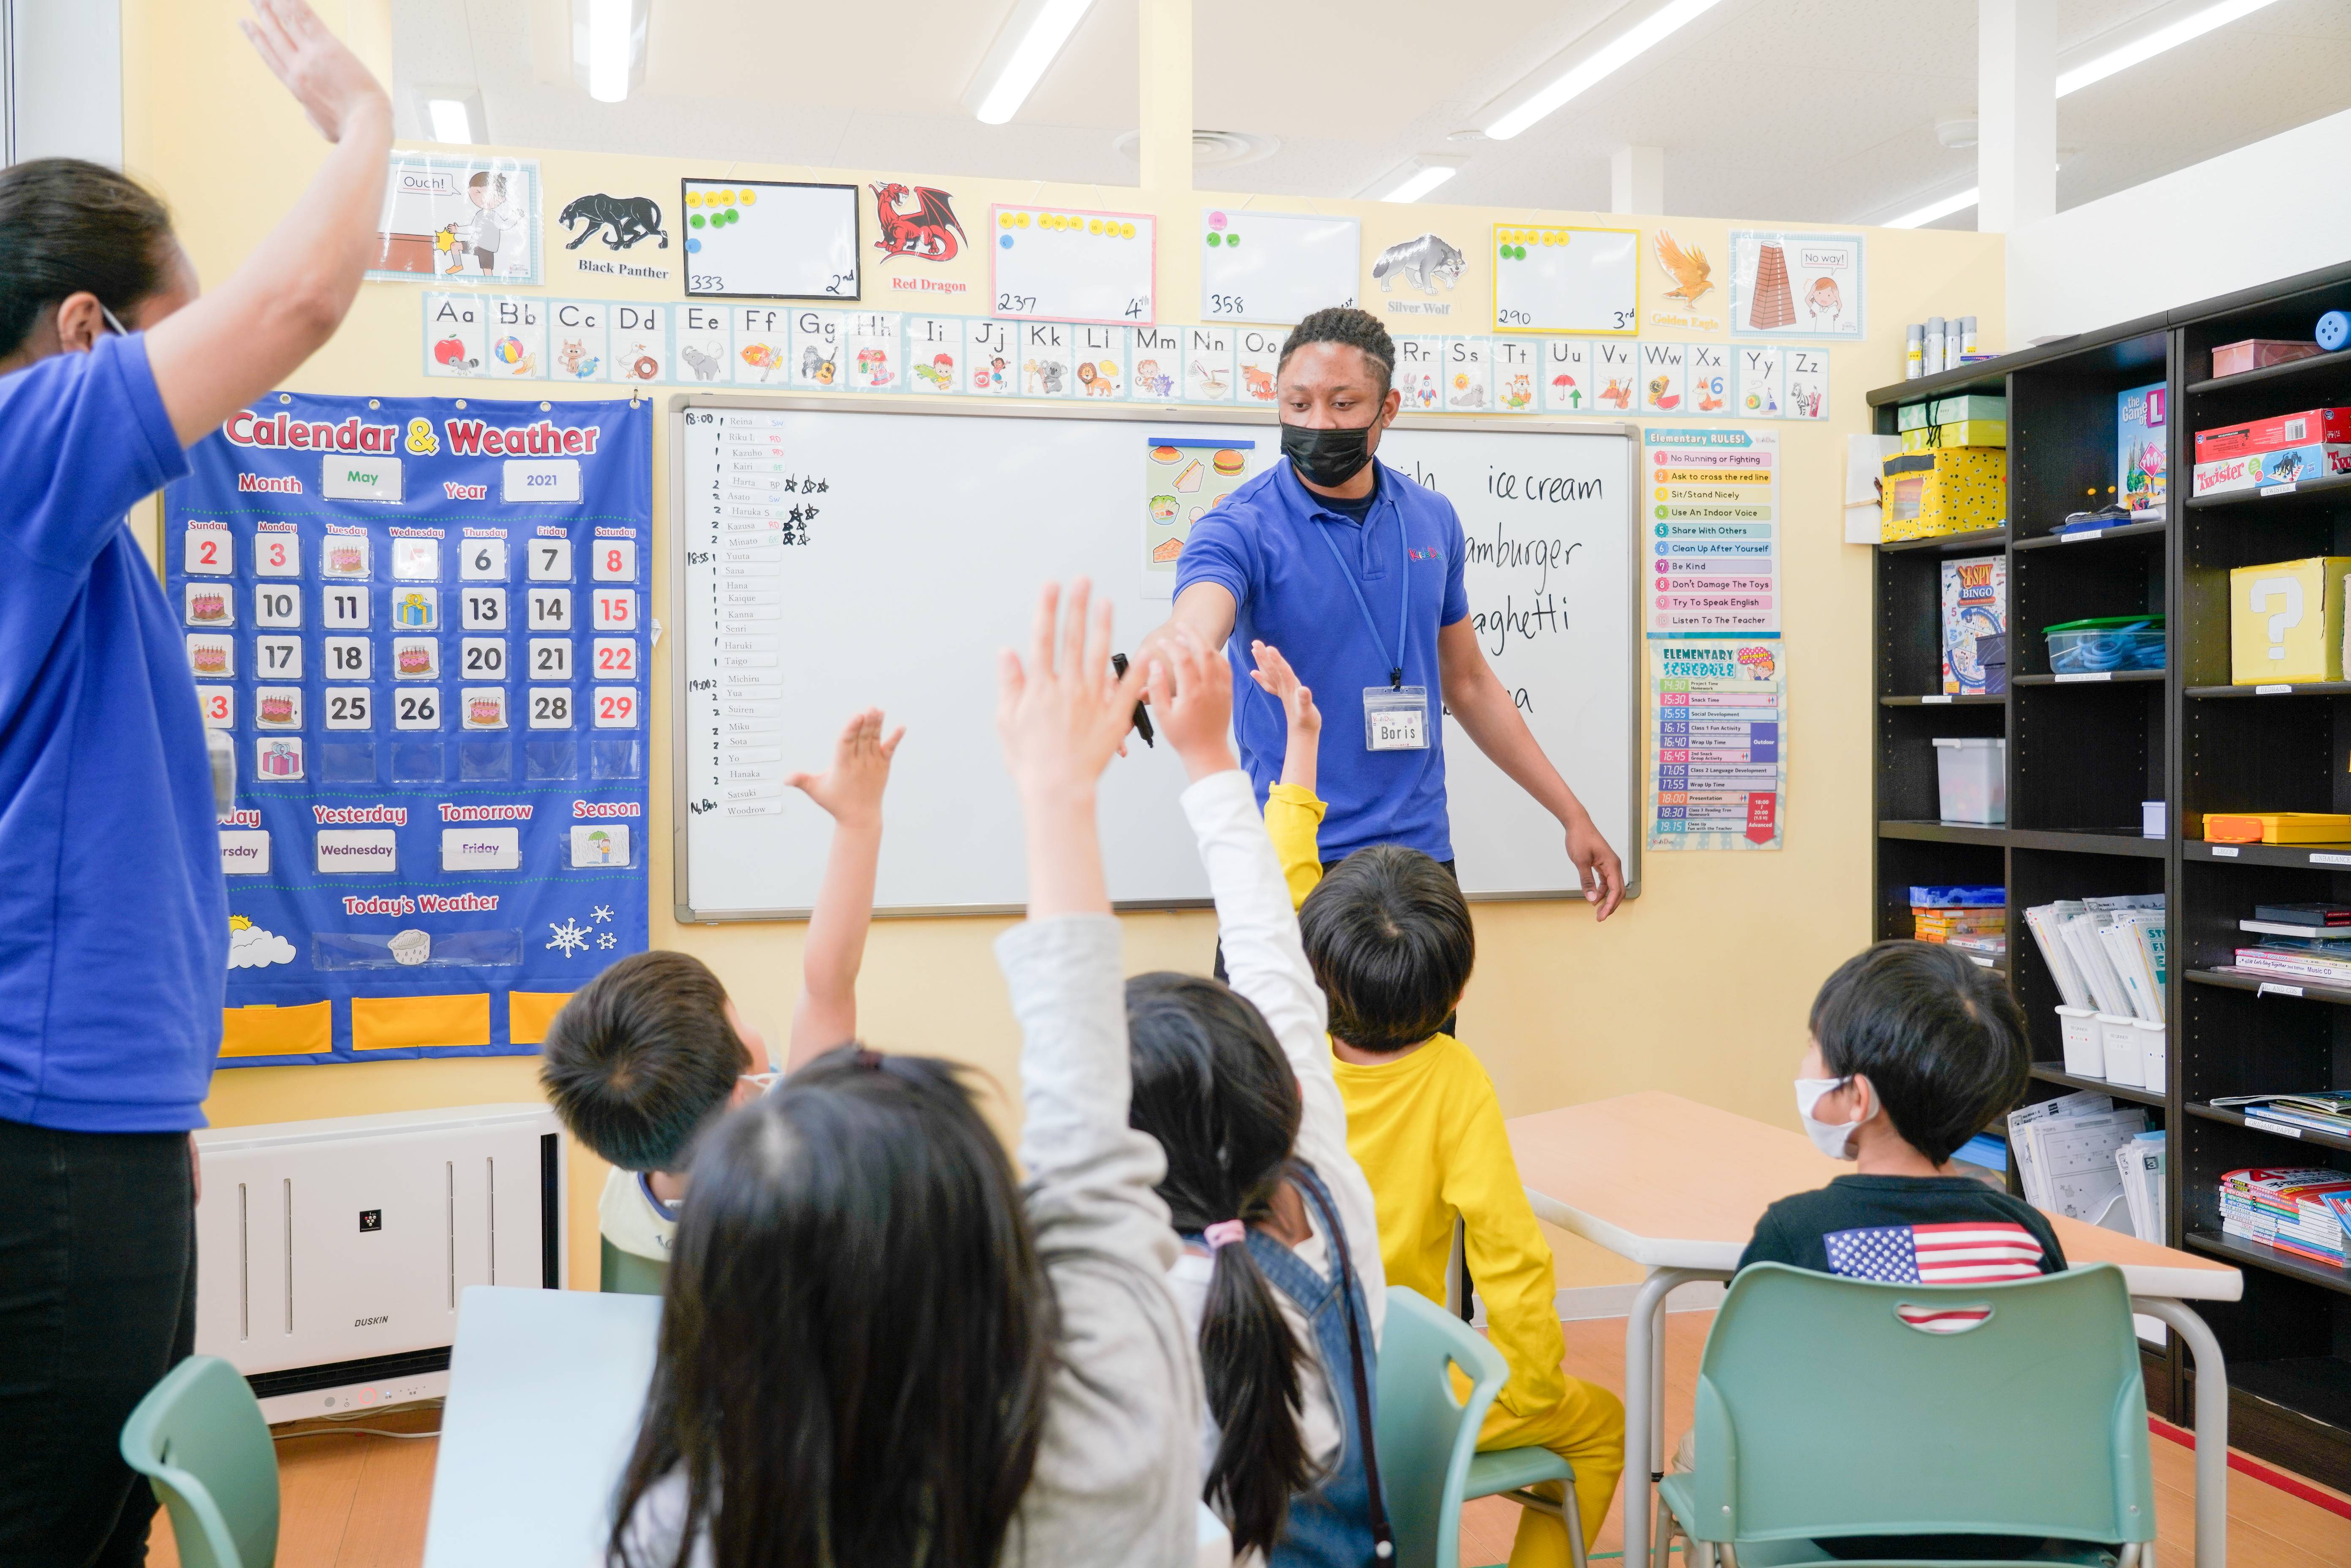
{"points": [[1404, 597]]}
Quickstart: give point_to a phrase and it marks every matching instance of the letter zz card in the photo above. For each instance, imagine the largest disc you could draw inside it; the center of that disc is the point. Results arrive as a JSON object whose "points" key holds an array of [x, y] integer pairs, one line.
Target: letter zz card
{"points": [[423, 624]]}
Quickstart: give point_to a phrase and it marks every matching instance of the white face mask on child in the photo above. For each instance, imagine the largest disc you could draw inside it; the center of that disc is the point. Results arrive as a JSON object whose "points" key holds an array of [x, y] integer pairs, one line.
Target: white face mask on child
{"points": [[1833, 1139]]}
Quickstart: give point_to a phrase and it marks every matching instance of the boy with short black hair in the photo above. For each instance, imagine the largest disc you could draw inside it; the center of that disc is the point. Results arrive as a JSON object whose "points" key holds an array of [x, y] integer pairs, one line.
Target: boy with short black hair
{"points": [[649, 1055], [1389, 937], [1915, 1050]]}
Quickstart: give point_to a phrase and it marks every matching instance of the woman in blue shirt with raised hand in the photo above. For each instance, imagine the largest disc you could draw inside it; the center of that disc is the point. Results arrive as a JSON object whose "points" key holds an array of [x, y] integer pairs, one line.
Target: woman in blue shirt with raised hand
{"points": [[113, 923]]}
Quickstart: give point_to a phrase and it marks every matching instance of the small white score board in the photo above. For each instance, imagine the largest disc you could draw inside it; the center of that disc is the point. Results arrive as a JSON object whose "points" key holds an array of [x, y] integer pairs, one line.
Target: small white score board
{"points": [[764, 239], [1067, 263], [1549, 279], [1276, 267]]}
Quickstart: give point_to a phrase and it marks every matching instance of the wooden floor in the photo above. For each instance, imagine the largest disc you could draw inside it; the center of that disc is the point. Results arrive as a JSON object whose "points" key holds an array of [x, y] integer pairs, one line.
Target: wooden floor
{"points": [[350, 1500]]}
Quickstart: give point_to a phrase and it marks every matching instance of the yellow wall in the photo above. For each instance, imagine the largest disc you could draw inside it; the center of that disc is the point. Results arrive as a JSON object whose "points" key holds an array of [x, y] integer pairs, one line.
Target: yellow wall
{"points": [[1700, 986]]}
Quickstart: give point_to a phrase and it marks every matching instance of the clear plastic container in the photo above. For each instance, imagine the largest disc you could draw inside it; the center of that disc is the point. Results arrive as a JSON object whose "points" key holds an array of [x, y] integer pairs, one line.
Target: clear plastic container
{"points": [[2106, 643], [1971, 775]]}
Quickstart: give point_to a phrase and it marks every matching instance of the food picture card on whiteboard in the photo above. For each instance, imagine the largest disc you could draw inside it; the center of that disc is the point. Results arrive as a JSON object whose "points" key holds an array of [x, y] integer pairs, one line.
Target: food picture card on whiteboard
{"points": [[456, 219], [1066, 263], [1549, 279], [1795, 285], [1276, 266], [765, 239]]}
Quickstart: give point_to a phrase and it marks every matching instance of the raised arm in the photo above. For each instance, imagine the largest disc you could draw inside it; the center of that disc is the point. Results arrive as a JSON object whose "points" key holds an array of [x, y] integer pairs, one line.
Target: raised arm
{"points": [[1293, 813], [1206, 610], [1481, 705], [851, 793], [1061, 718], [236, 342]]}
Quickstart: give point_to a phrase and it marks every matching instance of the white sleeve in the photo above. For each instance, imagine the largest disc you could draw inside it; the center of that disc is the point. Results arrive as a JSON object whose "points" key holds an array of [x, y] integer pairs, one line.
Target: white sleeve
{"points": [[1267, 963]]}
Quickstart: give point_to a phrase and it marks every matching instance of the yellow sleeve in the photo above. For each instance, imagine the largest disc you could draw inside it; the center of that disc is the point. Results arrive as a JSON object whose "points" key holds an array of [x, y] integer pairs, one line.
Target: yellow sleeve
{"points": [[1509, 1262], [1292, 816]]}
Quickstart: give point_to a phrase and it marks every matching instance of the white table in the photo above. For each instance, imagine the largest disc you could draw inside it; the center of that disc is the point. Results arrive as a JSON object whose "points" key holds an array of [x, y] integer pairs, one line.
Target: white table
{"points": [[545, 1390], [1678, 1187]]}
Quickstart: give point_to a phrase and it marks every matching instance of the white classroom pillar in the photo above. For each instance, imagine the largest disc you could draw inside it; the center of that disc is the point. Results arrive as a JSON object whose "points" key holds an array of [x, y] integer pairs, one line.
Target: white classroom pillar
{"points": [[1166, 56], [2016, 115], [1636, 180]]}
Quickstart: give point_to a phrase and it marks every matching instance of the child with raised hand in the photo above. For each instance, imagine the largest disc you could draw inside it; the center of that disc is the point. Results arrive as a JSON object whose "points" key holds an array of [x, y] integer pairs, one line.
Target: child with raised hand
{"points": [[1281, 1276], [878, 1348], [1292, 811], [652, 1051]]}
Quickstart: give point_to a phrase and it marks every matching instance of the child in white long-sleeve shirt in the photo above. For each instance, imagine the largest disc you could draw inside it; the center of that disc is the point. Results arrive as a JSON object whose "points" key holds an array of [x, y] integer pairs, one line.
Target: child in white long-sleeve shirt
{"points": [[876, 1348], [1281, 1275]]}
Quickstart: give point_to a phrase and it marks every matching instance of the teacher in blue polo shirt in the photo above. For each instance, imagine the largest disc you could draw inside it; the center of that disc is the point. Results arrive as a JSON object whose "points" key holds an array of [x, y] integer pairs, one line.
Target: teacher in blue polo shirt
{"points": [[113, 924], [1354, 572]]}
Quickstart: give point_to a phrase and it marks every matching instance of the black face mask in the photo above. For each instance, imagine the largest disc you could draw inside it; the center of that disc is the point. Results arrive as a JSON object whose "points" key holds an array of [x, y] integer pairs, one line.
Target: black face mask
{"points": [[1327, 457]]}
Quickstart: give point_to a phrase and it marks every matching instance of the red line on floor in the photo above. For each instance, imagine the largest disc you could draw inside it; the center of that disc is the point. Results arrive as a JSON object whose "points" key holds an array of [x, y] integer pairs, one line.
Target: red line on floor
{"points": [[2290, 1484]]}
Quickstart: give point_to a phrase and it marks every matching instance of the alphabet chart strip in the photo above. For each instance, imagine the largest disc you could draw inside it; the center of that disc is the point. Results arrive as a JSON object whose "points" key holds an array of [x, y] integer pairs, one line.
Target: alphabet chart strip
{"points": [[807, 348], [423, 624]]}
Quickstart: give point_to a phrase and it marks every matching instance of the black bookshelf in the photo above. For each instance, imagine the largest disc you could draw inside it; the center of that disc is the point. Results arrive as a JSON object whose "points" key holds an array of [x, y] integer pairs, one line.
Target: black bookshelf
{"points": [[2082, 755]]}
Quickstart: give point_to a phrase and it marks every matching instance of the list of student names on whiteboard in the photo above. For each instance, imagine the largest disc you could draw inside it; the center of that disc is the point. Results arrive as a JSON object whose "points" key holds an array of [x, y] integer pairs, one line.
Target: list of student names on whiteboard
{"points": [[749, 502]]}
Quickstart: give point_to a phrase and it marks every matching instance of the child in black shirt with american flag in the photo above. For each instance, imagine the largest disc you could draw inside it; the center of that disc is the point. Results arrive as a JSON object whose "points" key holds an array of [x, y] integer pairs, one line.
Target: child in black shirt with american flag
{"points": [[1915, 1050]]}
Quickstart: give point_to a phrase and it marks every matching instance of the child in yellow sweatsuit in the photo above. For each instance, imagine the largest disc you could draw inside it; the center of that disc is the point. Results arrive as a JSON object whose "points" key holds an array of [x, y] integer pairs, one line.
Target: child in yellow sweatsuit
{"points": [[1388, 935]]}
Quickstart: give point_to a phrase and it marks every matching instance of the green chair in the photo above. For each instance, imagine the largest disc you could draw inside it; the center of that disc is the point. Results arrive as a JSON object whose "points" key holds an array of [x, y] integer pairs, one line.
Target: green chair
{"points": [[200, 1440], [1823, 1413], [626, 1274], [1428, 1439]]}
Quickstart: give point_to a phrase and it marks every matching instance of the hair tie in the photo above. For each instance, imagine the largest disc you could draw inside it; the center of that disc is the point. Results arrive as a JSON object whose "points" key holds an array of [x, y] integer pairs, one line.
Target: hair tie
{"points": [[1223, 1233]]}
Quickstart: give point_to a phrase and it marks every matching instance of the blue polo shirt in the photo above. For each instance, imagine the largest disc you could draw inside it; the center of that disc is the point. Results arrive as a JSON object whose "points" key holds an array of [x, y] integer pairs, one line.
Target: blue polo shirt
{"points": [[113, 922], [1266, 546]]}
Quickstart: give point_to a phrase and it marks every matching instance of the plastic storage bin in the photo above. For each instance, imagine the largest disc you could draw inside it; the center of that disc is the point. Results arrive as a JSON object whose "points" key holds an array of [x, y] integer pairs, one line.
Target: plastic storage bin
{"points": [[1972, 775], [2106, 642], [2085, 1054]]}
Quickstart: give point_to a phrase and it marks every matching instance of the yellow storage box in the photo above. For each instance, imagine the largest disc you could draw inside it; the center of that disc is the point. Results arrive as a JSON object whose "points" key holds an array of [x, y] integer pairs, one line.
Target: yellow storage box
{"points": [[1972, 433], [2285, 620], [1949, 490]]}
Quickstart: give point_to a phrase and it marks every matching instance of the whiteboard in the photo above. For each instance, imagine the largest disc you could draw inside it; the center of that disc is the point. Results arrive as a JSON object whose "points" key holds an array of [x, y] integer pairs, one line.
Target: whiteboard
{"points": [[766, 239], [934, 523], [1550, 278], [1277, 267], [1067, 263]]}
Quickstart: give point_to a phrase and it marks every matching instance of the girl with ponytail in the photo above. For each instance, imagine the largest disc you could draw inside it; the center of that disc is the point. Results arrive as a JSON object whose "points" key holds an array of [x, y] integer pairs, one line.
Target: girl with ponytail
{"points": [[1281, 1275]]}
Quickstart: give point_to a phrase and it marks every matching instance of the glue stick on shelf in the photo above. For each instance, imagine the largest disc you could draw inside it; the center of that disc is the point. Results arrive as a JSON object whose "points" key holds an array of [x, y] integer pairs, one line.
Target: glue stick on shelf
{"points": [[1951, 341], [1914, 353], [1969, 346], [1934, 345]]}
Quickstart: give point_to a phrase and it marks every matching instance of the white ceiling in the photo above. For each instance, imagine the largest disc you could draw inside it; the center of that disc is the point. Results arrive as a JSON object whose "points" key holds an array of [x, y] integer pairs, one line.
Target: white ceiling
{"points": [[1812, 111]]}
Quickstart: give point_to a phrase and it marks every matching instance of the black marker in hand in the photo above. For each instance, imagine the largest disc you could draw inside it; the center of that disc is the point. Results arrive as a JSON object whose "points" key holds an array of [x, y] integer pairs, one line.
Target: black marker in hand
{"points": [[1141, 714]]}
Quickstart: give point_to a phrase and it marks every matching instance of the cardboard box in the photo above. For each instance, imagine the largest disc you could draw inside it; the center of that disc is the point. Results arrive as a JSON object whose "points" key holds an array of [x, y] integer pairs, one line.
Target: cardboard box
{"points": [[1912, 417], [2285, 620], [1951, 491], [2142, 444], [1972, 433], [2258, 470], [2254, 353], [2274, 434], [1975, 605], [1925, 438], [1973, 406]]}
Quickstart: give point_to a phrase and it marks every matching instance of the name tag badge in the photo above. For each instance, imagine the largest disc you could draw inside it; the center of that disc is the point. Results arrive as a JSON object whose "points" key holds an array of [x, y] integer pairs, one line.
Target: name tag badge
{"points": [[1395, 718]]}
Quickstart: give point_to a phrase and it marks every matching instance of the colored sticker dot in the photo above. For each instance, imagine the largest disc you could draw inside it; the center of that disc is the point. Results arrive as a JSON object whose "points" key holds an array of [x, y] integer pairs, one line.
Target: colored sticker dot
{"points": [[1004, 240], [1004, 220], [735, 216], [1232, 239], [1126, 231], [693, 246], [750, 198], [1094, 226], [725, 198], [1021, 219], [1216, 220], [1215, 240], [694, 198]]}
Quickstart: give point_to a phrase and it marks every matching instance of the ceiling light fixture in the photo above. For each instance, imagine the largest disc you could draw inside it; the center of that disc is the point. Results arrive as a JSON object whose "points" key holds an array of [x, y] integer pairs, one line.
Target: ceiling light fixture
{"points": [[1420, 182], [451, 112], [1024, 49], [1609, 57], [450, 120], [608, 46], [2155, 43], [1933, 210]]}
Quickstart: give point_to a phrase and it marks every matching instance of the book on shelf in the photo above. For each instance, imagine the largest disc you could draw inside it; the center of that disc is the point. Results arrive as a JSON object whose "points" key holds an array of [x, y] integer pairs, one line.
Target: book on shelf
{"points": [[2285, 964], [2107, 955], [2287, 1208], [2320, 1110], [2341, 934], [2306, 916], [2141, 1163]]}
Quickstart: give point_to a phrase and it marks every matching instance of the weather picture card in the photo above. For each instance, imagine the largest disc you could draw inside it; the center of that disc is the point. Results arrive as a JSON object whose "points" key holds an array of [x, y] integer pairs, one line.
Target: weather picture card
{"points": [[1795, 284], [769, 239], [1276, 267], [1549, 279], [450, 218], [428, 652], [1067, 263], [1185, 477]]}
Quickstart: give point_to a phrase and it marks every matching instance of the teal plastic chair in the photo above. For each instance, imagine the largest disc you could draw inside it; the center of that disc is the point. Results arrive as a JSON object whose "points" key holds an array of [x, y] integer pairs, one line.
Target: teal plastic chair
{"points": [[627, 1274], [1429, 1438], [200, 1440], [1823, 1413]]}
